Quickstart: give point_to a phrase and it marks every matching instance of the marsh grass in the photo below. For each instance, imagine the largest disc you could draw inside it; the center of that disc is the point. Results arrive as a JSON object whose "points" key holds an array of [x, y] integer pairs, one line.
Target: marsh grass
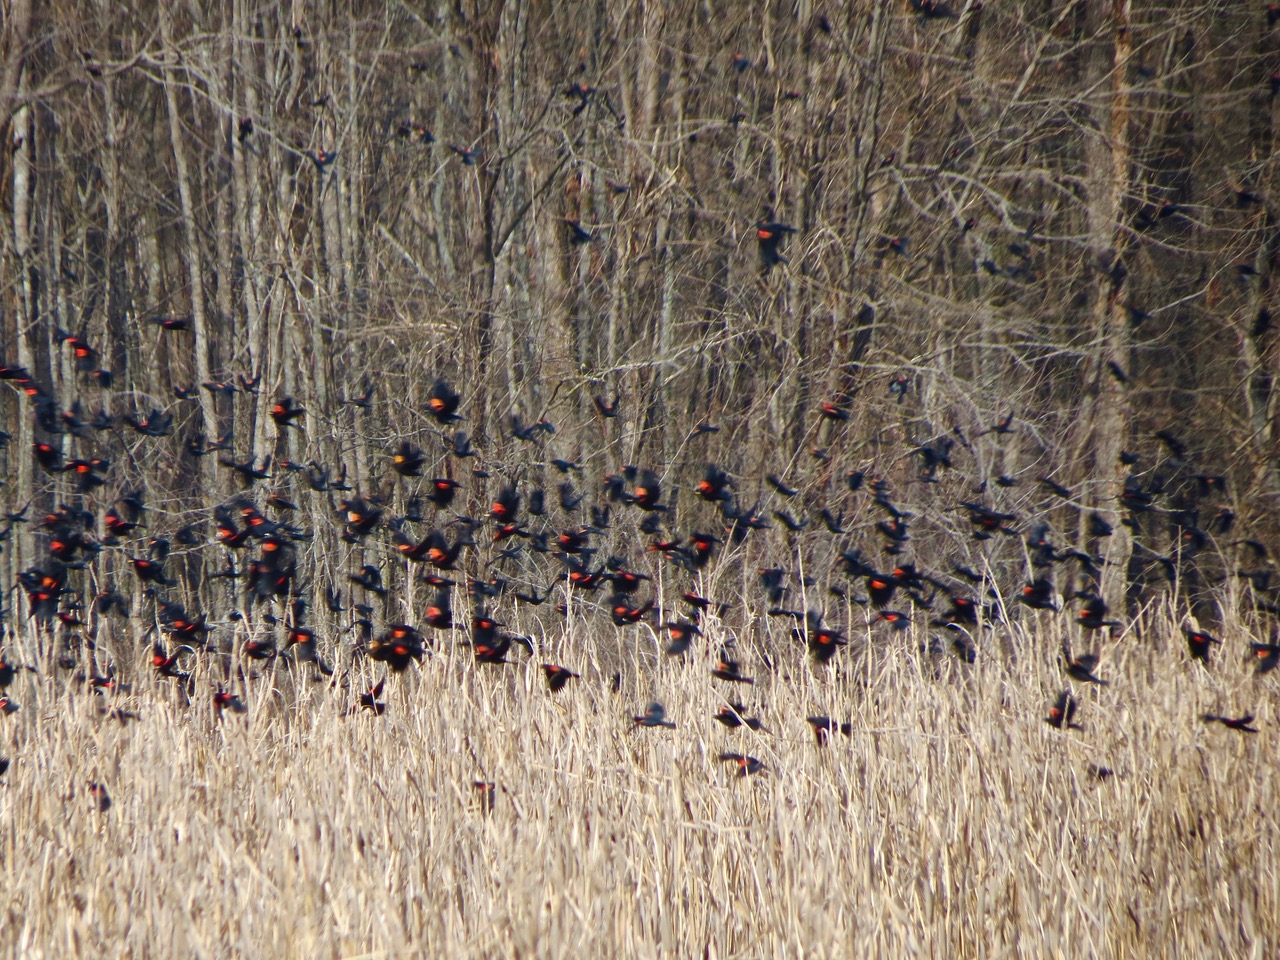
{"points": [[952, 822]]}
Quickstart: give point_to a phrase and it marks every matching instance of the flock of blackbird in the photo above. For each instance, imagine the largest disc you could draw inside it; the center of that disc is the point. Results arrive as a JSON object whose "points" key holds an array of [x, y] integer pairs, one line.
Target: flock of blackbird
{"points": [[551, 543], [528, 544]]}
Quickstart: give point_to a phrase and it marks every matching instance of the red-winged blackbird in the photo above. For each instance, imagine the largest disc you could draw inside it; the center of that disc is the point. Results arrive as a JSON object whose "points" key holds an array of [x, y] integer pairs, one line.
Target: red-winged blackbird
{"points": [[655, 715], [823, 726], [264, 649], [577, 235], [881, 589], [734, 715], [228, 701], [86, 357], [105, 604], [369, 577], [1098, 526], [284, 413], [322, 159], [557, 676], [530, 433], [397, 647], [116, 713], [439, 615], [682, 633], [88, 473], [248, 472], [623, 613], [166, 664], [150, 571], [745, 763], [1056, 488], [1039, 595], [8, 670], [986, 520], [1234, 723], [183, 627], [469, 157], [770, 236], [727, 668], [833, 412], [1268, 655], [1063, 712], [361, 516], [442, 403], [363, 400], [1081, 668], [486, 792], [714, 485], [824, 642], [490, 646], [608, 408], [580, 577], [895, 618], [899, 387], [49, 457], [963, 610], [833, 524], [171, 323], [626, 581], [1093, 614], [506, 506], [441, 554], [408, 460], [771, 578], [701, 547], [648, 491], [898, 245], [116, 524], [573, 541], [369, 701], [1198, 642], [776, 482], [99, 797], [460, 446], [415, 132], [442, 491], [582, 93]]}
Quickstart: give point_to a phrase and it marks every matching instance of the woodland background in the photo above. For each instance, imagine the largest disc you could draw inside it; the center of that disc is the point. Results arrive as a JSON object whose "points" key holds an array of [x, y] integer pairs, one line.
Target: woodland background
{"points": [[1116, 162]]}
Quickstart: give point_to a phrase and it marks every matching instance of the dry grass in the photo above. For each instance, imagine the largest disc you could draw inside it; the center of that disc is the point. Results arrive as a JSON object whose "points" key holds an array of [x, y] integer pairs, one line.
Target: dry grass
{"points": [[953, 823]]}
